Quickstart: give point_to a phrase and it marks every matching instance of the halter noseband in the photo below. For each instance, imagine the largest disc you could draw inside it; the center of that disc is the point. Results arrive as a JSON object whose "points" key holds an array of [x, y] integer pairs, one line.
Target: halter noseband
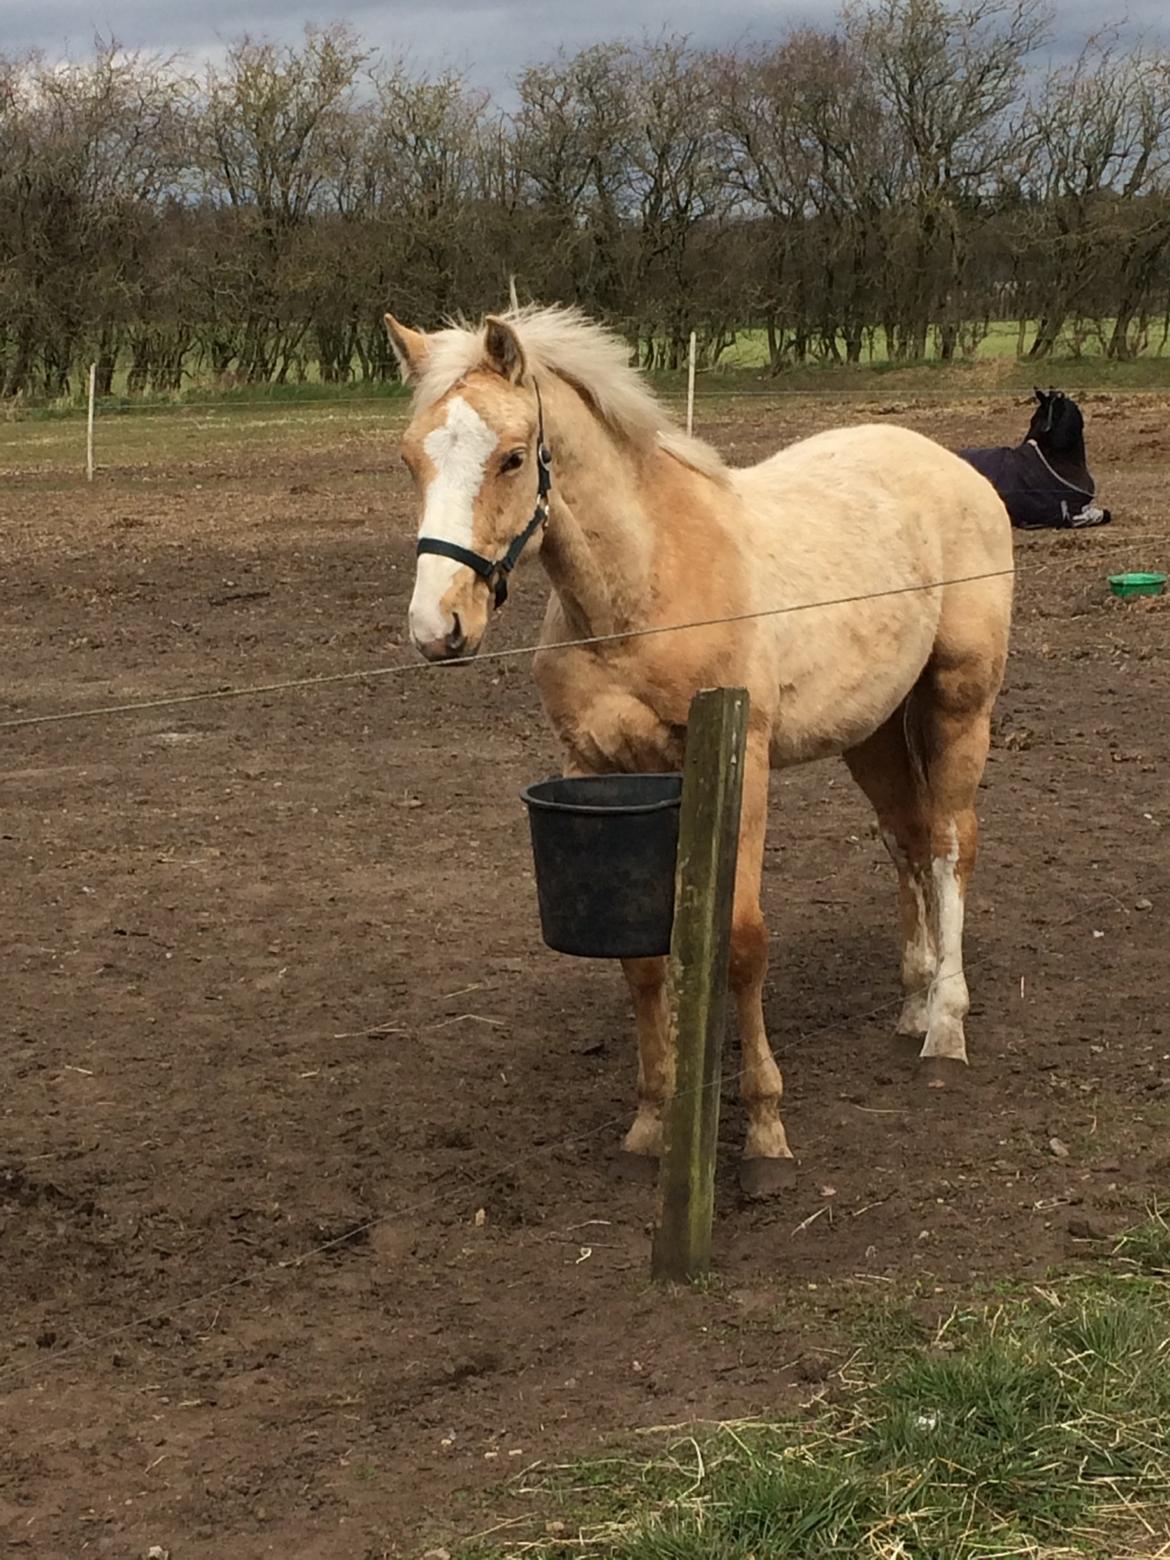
{"points": [[495, 575]]}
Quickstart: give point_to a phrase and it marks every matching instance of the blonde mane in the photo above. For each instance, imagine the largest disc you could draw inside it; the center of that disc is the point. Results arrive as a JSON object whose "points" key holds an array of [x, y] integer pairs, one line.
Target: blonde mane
{"points": [[593, 360]]}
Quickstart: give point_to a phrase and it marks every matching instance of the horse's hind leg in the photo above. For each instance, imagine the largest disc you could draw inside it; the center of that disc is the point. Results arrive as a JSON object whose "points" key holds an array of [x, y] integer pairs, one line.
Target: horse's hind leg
{"points": [[954, 699], [767, 1165], [886, 769]]}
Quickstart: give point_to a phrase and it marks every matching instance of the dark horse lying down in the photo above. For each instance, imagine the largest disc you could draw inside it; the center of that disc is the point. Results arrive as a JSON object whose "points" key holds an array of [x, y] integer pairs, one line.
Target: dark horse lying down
{"points": [[1045, 481]]}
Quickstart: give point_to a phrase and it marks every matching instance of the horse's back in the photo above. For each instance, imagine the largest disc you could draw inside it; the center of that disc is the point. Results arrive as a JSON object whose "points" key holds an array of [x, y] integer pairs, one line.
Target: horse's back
{"points": [[915, 545], [881, 497]]}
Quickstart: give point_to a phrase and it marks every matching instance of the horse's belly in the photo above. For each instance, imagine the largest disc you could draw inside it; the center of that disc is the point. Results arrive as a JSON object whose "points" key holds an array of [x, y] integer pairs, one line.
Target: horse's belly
{"points": [[802, 736], [831, 705]]}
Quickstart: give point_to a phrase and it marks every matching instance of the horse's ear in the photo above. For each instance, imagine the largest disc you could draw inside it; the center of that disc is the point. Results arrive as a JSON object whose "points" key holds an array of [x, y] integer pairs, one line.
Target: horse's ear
{"points": [[502, 349], [1039, 394], [410, 348]]}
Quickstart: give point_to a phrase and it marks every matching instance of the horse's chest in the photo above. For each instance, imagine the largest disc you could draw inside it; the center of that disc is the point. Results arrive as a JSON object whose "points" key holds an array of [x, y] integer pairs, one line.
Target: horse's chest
{"points": [[606, 727], [627, 738]]}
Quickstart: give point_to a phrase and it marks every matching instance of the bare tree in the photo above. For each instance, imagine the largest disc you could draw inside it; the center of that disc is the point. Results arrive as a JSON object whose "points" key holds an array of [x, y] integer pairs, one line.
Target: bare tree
{"points": [[270, 131], [948, 78], [88, 155], [1098, 187], [894, 172], [677, 184], [571, 140]]}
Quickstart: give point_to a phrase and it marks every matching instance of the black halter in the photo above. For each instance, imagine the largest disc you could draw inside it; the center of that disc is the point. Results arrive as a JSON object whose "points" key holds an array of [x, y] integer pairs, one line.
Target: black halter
{"points": [[495, 575]]}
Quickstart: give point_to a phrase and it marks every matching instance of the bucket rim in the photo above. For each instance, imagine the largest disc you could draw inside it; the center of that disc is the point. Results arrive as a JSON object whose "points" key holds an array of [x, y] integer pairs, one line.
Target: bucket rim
{"points": [[546, 804]]}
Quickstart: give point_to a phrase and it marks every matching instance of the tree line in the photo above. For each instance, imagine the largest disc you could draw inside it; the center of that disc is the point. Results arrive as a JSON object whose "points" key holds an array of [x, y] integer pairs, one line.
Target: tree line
{"points": [[892, 183]]}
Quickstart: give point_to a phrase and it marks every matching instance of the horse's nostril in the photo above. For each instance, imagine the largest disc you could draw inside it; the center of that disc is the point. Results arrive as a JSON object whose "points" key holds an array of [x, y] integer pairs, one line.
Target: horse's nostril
{"points": [[455, 638]]}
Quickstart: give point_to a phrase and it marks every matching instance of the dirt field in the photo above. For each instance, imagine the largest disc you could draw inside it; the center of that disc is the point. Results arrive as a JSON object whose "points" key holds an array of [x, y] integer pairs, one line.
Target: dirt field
{"points": [[278, 1022]]}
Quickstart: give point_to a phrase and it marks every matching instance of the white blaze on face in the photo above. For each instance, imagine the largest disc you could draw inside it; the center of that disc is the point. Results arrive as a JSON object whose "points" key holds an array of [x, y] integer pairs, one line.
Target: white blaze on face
{"points": [[458, 451]]}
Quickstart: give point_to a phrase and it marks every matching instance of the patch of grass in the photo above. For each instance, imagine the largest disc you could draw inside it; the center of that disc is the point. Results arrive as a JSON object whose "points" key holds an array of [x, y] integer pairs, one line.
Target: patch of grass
{"points": [[193, 433], [212, 397], [1000, 344], [1148, 1246], [986, 376], [890, 1330], [750, 347], [1038, 1427]]}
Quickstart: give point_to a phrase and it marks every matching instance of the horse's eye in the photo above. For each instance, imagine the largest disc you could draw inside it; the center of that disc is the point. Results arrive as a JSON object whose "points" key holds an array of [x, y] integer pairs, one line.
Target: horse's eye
{"points": [[512, 462]]}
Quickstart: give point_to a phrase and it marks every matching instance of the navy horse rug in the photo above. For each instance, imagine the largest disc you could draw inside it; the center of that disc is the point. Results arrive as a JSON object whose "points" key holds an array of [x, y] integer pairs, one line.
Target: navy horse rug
{"points": [[1045, 482]]}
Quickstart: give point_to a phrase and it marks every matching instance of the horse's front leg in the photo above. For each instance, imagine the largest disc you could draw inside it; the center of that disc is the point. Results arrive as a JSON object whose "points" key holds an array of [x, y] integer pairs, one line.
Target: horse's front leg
{"points": [[648, 987], [768, 1165], [647, 981]]}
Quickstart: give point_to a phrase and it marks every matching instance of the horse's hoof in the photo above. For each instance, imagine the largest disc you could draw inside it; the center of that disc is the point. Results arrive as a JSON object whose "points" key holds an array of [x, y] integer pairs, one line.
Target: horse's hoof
{"points": [[763, 1178], [639, 1169], [942, 1072], [908, 1048]]}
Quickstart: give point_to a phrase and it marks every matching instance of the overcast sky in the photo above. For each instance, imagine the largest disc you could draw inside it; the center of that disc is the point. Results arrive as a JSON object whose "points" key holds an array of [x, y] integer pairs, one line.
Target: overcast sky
{"points": [[489, 39]]}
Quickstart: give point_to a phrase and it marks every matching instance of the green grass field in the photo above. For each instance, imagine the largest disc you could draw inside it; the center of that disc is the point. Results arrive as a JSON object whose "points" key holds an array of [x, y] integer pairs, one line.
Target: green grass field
{"points": [[240, 428], [140, 432], [1034, 1424], [750, 349], [1001, 342], [742, 368]]}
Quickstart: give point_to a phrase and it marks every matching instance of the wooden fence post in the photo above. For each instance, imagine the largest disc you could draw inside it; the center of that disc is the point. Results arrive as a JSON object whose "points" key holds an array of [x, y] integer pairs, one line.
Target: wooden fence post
{"points": [[704, 888]]}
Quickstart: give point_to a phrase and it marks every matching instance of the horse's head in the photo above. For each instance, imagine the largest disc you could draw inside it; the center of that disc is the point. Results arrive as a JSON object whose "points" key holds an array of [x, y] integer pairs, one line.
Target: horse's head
{"points": [[474, 448], [1057, 424]]}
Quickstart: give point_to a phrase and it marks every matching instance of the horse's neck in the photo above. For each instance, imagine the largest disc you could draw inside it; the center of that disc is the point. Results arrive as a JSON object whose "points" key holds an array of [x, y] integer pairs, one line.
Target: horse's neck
{"points": [[574, 570], [1069, 464], [597, 550]]}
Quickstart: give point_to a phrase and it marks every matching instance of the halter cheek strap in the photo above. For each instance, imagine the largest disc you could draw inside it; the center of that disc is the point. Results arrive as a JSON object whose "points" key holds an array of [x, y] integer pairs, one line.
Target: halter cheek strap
{"points": [[495, 574]]}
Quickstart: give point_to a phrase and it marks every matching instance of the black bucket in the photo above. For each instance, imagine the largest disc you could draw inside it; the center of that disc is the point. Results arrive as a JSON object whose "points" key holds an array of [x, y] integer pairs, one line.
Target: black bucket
{"points": [[604, 847]]}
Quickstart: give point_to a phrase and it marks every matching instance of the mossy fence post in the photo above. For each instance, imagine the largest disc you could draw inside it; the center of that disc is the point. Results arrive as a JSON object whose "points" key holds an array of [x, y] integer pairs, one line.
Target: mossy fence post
{"points": [[700, 947]]}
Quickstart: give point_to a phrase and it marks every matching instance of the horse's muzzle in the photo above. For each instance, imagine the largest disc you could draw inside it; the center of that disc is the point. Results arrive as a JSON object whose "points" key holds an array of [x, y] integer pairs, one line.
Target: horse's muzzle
{"points": [[454, 646]]}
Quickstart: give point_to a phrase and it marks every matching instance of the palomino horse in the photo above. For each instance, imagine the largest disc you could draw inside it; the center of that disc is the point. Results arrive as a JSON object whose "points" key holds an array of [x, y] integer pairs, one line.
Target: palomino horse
{"points": [[640, 527]]}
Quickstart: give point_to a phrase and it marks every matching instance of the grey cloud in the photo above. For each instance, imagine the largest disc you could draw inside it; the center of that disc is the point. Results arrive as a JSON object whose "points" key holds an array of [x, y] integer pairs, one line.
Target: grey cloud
{"points": [[490, 39]]}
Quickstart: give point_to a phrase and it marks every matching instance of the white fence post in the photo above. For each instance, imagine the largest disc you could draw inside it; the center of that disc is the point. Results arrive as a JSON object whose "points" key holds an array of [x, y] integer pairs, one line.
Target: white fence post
{"points": [[691, 387], [89, 427]]}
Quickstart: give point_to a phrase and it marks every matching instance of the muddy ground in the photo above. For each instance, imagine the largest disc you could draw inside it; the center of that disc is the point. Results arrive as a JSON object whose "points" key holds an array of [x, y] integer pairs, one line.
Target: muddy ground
{"points": [[278, 1024]]}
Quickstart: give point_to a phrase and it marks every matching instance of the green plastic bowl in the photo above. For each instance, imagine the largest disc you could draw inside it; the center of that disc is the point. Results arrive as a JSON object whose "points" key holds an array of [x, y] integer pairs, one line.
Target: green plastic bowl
{"points": [[1126, 585]]}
